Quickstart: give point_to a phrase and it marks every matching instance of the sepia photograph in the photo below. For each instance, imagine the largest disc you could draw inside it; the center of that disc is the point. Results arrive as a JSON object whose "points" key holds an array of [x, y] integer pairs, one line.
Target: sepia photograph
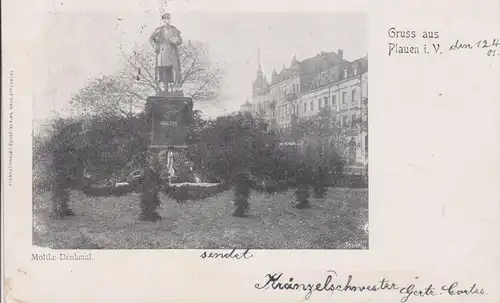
{"points": [[164, 129]]}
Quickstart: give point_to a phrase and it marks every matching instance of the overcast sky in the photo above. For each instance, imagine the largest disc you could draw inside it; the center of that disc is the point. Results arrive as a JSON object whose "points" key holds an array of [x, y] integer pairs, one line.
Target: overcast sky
{"points": [[74, 47]]}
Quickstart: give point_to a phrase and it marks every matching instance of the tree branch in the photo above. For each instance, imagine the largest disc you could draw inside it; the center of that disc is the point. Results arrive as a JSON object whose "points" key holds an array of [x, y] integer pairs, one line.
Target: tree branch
{"points": [[187, 73]]}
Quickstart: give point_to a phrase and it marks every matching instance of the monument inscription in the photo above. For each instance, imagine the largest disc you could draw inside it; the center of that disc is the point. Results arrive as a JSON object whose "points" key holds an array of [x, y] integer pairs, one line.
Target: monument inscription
{"points": [[169, 121]]}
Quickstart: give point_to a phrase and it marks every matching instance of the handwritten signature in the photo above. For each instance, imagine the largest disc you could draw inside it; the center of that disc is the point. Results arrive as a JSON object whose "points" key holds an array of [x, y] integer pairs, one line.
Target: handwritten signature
{"points": [[277, 281]]}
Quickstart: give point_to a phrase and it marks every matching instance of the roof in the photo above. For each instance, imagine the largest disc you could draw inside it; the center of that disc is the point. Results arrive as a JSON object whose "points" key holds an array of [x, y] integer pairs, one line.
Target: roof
{"points": [[320, 62], [361, 64], [336, 73], [309, 66]]}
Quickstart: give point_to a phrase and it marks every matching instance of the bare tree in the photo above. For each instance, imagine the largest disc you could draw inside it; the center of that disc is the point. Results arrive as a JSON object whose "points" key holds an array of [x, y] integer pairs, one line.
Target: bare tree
{"points": [[126, 92]]}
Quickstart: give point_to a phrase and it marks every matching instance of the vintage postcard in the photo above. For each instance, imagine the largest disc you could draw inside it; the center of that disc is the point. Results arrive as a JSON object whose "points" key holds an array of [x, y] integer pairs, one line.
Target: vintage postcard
{"points": [[233, 151]]}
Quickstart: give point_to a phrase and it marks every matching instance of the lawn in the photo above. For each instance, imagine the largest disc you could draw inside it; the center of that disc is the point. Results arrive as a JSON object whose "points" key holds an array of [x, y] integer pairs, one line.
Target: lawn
{"points": [[335, 222]]}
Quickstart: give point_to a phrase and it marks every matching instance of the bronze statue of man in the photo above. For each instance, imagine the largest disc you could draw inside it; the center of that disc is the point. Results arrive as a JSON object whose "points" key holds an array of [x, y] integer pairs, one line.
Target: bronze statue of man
{"points": [[166, 40]]}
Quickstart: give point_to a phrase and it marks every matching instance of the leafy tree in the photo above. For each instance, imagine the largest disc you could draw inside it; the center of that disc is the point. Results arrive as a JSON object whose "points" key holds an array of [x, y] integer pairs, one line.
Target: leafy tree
{"points": [[230, 145], [115, 146], [323, 146], [230, 149], [58, 161]]}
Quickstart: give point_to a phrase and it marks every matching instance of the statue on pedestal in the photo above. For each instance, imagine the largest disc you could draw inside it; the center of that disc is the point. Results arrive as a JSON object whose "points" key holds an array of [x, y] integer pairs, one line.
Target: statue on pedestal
{"points": [[170, 112], [166, 40]]}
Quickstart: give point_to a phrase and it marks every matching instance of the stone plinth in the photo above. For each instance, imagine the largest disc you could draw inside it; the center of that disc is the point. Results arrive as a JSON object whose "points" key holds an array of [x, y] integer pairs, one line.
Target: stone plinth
{"points": [[170, 113]]}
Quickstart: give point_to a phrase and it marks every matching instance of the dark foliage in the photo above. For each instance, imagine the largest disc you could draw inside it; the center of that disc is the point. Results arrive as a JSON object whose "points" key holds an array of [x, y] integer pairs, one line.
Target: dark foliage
{"points": [[231, 145], [93, 154], [242, 186], [303, 179], [149, 196]]}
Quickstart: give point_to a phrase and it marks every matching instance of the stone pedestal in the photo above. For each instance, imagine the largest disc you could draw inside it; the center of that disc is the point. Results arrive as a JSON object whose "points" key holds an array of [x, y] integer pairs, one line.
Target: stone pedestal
{"points": [[170, 112]]}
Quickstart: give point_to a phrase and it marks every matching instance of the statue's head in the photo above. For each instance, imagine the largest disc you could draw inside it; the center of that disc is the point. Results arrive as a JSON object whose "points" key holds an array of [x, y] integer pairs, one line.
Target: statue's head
{"points": [[165, 18]]}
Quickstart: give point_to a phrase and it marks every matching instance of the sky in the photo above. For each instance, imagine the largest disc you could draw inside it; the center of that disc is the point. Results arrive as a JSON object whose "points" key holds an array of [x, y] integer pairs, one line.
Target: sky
{"points": [[73, 47]]}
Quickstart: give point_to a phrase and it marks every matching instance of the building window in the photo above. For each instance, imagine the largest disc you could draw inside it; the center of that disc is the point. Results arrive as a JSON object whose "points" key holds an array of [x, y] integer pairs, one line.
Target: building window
{"points": [[305, 107], [344, 98], [312, 106], [334, 101], [327, 104], [353, 96], [319, 103]]}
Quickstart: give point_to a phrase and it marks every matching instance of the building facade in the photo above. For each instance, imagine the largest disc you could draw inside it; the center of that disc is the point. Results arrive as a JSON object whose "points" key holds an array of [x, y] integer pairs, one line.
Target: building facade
{"points": [[326, 82]]}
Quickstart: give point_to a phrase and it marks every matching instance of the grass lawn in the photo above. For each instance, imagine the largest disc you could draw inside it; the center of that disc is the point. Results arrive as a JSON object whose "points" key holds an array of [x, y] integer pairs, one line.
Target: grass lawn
{"points": [[336, 222]]}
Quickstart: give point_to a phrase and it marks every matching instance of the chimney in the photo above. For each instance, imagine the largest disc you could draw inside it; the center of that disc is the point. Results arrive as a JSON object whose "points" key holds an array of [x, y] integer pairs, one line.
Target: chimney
{"points": [[340, 53]]}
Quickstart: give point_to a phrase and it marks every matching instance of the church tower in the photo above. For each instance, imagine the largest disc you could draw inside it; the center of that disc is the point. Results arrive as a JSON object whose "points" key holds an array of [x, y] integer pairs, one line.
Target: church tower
{"points": [[260, 85]]}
